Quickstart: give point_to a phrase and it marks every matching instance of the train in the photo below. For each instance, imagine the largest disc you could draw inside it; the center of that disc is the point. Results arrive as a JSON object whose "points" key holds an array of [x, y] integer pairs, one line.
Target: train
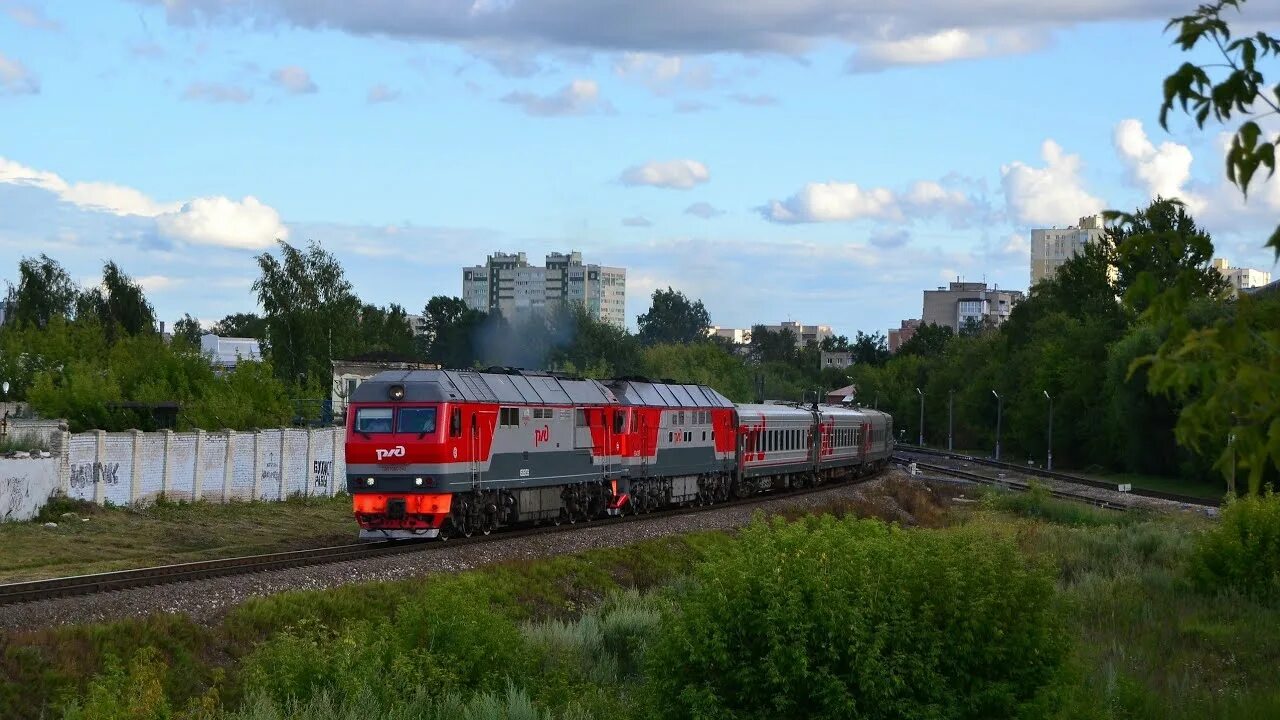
{"points": [[451, 453]]}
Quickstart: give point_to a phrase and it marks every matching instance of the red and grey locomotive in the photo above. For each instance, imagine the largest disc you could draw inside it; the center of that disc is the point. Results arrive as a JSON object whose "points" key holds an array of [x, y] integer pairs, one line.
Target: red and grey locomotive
{"points": [[435, 453]]}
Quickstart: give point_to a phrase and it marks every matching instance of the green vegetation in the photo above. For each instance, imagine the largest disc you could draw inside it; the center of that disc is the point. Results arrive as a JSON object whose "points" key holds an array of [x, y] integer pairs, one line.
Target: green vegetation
{"points": [[1242, 553], [1019, 606], [827, 618], [98, 539]]}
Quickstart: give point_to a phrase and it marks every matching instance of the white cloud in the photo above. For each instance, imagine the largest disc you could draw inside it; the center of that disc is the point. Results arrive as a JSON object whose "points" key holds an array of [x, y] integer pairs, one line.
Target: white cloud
{"points": [[217, 93], [844, 201], [246, 224], [1162, 171], [215, 221], [381, 93], [579, 97], [157, 283], [294, 79], [1051, 195], [32, 17], [675, 174], [833, 201], [16, 79], [939, 29], [943, 46], [663, 73], [704, 210]]}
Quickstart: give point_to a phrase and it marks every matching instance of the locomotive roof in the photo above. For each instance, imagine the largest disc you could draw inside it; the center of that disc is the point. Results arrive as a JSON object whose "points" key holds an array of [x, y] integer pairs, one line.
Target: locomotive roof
{"points": [[634, 391], [525, 388]]}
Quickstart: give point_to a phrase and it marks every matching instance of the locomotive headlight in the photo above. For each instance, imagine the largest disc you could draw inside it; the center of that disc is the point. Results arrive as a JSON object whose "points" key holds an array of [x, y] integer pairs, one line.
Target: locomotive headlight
{"points": [[396, 392], [369, 482], [417, 481]]}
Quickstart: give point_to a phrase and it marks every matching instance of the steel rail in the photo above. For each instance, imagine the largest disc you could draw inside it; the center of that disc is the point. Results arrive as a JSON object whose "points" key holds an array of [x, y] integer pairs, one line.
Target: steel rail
{"points": [[1065, 477], [76, 585], [1012, 484]]}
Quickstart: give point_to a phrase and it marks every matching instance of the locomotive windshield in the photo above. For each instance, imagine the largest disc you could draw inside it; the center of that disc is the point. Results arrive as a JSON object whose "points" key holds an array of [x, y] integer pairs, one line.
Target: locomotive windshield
{"points": [[416, 420], [373, 420]]}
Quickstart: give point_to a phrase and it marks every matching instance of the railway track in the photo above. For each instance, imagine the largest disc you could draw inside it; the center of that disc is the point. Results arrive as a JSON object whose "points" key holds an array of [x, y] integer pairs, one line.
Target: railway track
{"points": [[903, 450], [76, 585], [1011, 484]]}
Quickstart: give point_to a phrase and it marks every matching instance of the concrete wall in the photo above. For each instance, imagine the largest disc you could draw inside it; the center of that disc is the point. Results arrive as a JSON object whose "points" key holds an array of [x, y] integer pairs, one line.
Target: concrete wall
{"points": [[25, 486], [136, 467]]}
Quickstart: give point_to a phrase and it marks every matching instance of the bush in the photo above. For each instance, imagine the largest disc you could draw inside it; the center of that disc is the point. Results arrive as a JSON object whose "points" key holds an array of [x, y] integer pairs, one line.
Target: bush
{"points": [[442, 641], [1243, 551], [854, 618]]}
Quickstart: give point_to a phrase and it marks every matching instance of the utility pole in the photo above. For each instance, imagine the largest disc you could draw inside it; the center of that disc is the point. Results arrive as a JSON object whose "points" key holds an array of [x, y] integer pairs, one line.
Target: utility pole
{"points": [[951, 398], [1049, 466], [999, 410], [921, 394]]}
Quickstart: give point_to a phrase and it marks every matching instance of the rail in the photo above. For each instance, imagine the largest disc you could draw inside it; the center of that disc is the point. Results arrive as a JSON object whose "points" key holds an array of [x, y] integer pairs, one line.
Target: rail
{"points": [[1056, 475], [1012, 484]]}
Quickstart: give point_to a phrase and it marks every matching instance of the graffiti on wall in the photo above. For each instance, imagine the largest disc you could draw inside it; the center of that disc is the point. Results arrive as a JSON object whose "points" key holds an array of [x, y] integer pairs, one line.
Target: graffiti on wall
{"points": [[85, 474], [13, 491], [321, 472]]}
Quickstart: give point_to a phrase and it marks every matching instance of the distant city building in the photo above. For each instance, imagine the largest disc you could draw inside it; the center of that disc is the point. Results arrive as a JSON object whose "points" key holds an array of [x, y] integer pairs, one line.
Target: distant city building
{"points": [[737, 336], [804, 334], [417, 324], [509, 285], [1241, 279], [963, 302], [226, 352], [1052, 247], [1268, 289], [848, 393], [902, 334], [834, 360]]}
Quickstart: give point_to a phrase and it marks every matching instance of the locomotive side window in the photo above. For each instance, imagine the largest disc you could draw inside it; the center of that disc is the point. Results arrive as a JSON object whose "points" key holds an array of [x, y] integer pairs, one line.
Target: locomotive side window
{"points": [[416, 420], [509, 417], [373, 420], [619, 420], [455, 423]]}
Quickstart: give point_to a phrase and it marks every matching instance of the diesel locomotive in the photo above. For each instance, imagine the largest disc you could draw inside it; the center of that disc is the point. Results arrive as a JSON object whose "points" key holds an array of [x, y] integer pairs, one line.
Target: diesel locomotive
{"points": [[441, 453]]}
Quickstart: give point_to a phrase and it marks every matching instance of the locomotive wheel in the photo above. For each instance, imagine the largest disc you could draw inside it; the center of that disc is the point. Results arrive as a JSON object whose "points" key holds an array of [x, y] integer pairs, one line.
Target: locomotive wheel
{"points": [[559, 518], [486, 528]]}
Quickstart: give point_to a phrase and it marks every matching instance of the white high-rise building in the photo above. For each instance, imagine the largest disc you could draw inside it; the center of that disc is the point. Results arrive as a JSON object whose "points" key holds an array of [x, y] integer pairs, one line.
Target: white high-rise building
{"points": [[509, 285], [1241, 278], [1052, 247]]}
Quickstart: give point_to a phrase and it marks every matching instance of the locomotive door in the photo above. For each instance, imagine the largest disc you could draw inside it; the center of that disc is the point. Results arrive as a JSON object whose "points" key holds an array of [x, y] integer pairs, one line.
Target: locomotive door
{"points": [[582, 429], [866, 442], [475, 452]]}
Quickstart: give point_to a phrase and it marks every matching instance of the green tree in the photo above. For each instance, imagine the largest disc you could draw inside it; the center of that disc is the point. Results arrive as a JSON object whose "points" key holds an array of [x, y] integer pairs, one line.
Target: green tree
{"points": [[188, 330], [870, 349], [119, 305], [773, 346], [703, 363], [385, 334], [312, 315], [45, 291], [241, 325], [1158, 247], [450, 331], [672, 317], [1228, 373], [929, 340]]}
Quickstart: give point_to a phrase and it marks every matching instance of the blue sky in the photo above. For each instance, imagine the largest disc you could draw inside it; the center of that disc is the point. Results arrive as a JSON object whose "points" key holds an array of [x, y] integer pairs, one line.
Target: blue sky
{"points": [[823, 160]]}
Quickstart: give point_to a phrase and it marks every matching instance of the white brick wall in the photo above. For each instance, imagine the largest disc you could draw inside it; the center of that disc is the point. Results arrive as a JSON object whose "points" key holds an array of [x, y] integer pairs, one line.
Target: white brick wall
{"points": [[132, 467]]}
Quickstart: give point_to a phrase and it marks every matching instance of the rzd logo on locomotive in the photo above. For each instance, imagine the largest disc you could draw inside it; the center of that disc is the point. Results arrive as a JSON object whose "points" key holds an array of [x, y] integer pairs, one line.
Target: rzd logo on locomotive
{"points": [[541, 435], [395, 452]]}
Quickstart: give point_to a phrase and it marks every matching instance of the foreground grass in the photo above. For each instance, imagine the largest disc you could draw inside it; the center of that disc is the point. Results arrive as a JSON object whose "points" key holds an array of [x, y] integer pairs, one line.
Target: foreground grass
{"points": [[100, 539], [1144, 642]]}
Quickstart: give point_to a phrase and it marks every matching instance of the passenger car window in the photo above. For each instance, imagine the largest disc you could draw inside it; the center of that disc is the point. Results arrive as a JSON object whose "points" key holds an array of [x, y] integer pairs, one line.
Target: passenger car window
{"points": [[373, 420]]}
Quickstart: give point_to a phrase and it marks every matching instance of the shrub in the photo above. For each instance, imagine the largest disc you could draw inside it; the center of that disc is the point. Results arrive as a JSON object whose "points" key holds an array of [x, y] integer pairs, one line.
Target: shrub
{"points": [[441, 641], [1243, 551], [854, 618]]}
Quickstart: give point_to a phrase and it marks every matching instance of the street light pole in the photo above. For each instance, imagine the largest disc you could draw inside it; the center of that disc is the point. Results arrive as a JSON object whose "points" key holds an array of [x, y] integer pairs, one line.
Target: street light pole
{"points": [[921, 394], [951, 398], [999, 410], [1049, 466]]}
